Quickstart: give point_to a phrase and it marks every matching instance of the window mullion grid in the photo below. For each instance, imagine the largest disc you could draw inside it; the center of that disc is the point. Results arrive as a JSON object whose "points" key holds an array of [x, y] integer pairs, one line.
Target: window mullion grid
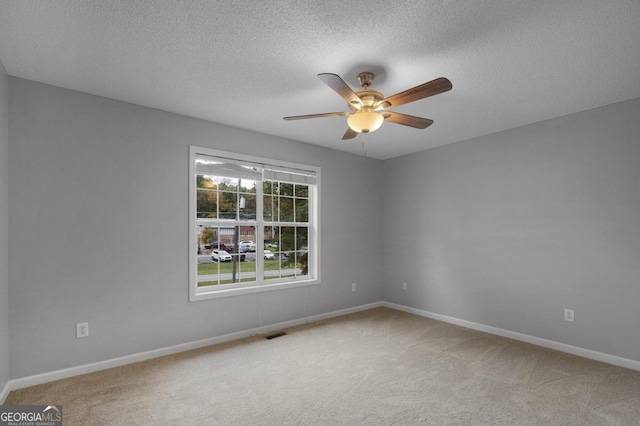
{"points": [[311, 230], [278, 219], [293, 202], [259, 233], [217, 184]]}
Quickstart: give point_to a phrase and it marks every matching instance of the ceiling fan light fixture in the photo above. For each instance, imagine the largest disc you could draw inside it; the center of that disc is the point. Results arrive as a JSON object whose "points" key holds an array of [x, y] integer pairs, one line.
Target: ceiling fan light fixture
{"points": [[365, 121]]}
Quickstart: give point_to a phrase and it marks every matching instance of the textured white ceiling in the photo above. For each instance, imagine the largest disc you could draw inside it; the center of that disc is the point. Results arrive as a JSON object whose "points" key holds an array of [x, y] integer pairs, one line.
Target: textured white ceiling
{"points": [[250, 63]]}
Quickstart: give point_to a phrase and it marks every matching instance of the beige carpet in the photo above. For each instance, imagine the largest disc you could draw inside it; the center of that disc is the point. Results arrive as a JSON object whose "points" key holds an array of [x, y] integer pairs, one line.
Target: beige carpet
{"points": [[378, 367]]}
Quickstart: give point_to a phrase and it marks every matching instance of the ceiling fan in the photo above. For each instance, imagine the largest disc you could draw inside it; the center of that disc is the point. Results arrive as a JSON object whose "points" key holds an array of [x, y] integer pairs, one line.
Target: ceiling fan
{"points": [[369, 108]]}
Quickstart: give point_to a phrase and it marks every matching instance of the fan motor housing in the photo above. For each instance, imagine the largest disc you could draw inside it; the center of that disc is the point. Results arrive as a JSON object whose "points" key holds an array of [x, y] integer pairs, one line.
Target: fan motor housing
{"points": [[369, 97]]}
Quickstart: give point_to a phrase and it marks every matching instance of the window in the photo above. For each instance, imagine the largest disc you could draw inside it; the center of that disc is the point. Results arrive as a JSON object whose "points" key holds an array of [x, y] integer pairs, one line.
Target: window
{"points": [[253, 224]]}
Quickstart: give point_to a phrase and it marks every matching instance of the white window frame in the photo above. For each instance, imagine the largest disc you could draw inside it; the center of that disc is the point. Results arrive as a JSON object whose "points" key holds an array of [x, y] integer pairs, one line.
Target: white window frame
{"points": [[203, 293]]}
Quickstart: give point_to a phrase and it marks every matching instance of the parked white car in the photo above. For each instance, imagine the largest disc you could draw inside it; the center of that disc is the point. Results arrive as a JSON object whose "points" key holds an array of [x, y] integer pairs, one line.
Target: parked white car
{"points": [[269, 255], [220, 256], [245, 246]]}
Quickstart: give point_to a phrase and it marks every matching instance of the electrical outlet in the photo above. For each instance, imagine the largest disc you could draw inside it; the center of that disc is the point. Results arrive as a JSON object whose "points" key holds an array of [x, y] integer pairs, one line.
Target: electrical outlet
{"points": [[568, 315], [353, 286], [404, 286], [82, 330]]}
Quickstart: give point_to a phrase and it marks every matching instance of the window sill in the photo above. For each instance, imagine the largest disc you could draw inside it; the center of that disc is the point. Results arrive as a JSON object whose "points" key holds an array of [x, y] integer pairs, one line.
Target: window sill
{"points": [[228, 292]]}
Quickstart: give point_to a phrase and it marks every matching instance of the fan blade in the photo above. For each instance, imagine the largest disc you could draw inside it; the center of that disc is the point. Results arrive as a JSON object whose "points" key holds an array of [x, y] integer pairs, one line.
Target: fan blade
{"points": [[349, 134], [407, 120], [341, 88], [422, 91], [325, 114]]}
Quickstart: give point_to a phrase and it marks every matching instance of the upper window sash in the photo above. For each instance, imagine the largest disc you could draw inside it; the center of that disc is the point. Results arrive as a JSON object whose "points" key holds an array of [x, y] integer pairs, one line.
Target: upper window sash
{"points": [[220, 166]]}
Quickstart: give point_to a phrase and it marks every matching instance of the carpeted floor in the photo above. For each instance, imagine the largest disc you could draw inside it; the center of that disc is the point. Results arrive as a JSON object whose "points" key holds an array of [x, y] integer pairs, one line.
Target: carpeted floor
{"points": [[377, 367]]}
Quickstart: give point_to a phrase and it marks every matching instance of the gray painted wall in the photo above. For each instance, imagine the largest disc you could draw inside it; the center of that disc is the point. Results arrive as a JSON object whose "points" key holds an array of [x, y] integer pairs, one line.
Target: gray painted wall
{"points": [[509, 229], [504, 230], [99, 222], [4, 228]]}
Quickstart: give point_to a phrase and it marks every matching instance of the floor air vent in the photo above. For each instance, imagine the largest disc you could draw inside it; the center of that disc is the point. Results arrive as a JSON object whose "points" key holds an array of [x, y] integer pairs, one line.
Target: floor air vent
{"points": [[273, 336]]}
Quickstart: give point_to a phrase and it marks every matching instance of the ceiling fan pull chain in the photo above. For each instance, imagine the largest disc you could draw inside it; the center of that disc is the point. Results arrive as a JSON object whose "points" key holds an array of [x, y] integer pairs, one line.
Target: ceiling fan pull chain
{"points": [[364, 137]]}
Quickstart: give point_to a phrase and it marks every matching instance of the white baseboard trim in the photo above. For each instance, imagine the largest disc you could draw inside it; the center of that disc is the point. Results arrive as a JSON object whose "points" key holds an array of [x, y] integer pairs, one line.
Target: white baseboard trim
{"points": [[341, 312], [5, 392], [37, 379], [562, 347]]}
